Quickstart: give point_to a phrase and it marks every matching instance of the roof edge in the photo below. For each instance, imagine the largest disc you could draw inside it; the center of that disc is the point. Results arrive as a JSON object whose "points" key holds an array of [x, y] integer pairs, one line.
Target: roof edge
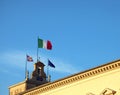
{"points": [[75, 77]]}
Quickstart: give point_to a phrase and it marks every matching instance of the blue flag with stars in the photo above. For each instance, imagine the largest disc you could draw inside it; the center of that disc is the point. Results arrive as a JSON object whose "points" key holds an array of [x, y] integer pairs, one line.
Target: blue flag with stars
{"points": [[51, 64]]}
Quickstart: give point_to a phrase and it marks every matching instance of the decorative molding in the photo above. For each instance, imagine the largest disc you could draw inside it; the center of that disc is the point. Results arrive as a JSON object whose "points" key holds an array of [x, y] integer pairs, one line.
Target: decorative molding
{"points": [[108, 91], [79, 76], [90, 93]]}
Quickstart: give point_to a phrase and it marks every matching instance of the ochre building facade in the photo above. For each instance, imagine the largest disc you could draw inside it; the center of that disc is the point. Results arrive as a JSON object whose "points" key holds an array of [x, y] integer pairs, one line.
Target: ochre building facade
{"points": [[102, 80]]}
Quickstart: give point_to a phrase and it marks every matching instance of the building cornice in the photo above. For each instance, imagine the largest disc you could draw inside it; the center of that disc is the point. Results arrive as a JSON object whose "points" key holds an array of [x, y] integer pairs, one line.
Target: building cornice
{"points": [[73, 78]]}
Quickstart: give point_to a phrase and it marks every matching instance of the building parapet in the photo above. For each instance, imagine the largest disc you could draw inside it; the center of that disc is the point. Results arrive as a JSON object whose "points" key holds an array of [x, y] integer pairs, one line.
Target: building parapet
{"points": [[79, 76]]}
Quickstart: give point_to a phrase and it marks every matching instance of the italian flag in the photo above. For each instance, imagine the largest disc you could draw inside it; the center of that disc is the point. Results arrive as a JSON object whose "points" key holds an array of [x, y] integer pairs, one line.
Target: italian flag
{"points": [[44, 44]]}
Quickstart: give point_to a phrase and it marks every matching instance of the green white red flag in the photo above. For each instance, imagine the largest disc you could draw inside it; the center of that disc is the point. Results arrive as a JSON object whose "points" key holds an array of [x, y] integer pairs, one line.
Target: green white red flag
{"points": [[44, 44]]}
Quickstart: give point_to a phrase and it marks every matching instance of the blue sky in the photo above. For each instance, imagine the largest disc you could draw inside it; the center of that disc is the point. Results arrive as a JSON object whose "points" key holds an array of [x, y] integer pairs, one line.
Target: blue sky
{"points": [[84, 34]]}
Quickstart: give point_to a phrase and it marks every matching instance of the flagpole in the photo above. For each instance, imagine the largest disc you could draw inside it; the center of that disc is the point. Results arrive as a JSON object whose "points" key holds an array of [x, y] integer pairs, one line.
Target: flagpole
{"points": [[26, 67], [48, 73], [37, 48], [37, 54], [47, 70]]}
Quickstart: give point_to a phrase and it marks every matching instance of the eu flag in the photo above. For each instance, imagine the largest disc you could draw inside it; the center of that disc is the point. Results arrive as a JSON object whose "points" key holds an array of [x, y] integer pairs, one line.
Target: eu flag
{"points": [[50, 64]]}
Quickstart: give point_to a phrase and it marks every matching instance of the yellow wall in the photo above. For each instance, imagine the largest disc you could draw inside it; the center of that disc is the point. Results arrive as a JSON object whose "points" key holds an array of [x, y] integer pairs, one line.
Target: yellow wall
{"points": [[15, 89], [95, 84]]}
